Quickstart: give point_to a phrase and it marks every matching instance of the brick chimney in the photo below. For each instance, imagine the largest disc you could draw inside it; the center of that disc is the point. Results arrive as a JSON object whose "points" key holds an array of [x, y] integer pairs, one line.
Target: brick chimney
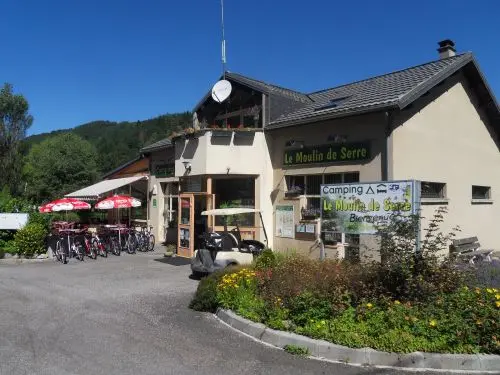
{"points": [[446, 49]]}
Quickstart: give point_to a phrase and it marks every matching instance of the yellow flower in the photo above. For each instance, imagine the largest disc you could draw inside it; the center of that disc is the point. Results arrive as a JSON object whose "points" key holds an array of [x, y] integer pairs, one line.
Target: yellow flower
{"points": [[489, 290], [497, 303], [478, 290], [432, 323], [369, 305], [497, 296], [478, 322], [396, 302]]}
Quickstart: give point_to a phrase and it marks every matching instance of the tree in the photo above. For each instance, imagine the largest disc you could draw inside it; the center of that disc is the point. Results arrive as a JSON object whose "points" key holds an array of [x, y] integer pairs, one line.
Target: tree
{"points": [[14, 122], [59, 165]]}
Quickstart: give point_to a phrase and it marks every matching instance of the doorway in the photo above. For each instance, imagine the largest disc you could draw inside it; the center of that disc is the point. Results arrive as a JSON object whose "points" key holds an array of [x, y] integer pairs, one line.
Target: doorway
{"points": [[191, 223]]}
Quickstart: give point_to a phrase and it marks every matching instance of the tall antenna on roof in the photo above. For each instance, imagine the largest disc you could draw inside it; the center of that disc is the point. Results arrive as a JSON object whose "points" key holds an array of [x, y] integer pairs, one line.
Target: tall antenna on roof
{"points": [[223, 41]]}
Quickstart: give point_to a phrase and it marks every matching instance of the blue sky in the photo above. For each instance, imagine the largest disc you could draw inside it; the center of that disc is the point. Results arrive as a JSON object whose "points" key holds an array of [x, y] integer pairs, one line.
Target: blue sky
{"points": [[84, 60]]}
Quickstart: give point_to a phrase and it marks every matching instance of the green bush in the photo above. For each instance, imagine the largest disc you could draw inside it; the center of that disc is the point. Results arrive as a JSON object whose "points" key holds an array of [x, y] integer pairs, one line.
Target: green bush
{"points": [[10, 247], [309, 307], [30, 240], [205, 298], [265, 260]]}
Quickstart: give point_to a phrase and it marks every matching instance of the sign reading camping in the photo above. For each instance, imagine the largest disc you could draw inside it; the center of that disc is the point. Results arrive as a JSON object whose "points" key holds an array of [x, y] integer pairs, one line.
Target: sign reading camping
{"points": [[327, 154], [361, 208]]}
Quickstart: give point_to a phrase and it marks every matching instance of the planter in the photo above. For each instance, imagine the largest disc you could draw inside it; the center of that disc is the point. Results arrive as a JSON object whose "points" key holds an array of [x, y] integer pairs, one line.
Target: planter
{"points": [[222, 133], [472, 363]]}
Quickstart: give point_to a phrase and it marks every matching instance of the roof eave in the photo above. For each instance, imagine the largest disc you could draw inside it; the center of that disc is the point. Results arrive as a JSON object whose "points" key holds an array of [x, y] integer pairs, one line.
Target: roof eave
{"points": [[334, 115], [418, 91], [124, 165], [146, 150], [231, 78]]}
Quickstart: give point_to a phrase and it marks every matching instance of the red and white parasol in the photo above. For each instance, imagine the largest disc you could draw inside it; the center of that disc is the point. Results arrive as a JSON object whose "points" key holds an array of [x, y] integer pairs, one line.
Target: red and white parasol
{"points": [[64, 204], [118, 201]]}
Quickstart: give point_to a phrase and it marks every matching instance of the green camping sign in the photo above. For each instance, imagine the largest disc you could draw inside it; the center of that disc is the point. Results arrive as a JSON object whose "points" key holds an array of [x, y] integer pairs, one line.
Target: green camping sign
{"points": [[333, 153]]}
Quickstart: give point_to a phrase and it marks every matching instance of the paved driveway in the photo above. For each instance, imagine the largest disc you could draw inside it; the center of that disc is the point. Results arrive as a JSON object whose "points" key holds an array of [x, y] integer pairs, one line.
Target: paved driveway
{"points": [[125, 315]]}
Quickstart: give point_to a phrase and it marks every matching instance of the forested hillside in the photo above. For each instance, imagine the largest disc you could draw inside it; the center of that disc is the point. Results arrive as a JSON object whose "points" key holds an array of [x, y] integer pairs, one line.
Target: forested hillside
{"points": [[118, 142]]}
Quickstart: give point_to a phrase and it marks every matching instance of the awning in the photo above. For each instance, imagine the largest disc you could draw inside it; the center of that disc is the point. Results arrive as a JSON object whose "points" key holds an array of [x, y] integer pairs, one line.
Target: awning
{"points": [[94, 192]]}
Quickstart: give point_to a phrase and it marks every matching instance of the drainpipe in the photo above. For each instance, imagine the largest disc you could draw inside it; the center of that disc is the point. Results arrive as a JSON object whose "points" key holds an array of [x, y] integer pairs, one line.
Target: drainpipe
{"points": [[385, 148]]}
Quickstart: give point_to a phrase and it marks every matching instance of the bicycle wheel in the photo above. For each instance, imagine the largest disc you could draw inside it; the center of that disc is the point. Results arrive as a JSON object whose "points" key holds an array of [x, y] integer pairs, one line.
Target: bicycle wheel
{"points": [[80, 251], [115, 246], [151, 242], [58, 253], [93, 250], [63, 254], [142, 245], [101, 249], [131, 244]]}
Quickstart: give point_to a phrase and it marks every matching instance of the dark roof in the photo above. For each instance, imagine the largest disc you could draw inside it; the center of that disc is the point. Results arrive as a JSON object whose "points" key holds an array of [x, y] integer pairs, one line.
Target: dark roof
{"points": [[272, 90], [124, 165], [164, 143], [396, 90], [268, 88]]}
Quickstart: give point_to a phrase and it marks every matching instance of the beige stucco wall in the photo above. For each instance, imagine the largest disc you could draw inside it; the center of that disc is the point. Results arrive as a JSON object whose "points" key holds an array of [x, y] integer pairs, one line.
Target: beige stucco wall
{"points": [[232, 156], [445, 139], [366, 128]]}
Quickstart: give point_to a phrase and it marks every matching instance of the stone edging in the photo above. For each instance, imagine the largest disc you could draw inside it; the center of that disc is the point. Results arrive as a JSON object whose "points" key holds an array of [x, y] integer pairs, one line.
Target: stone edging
{"points": [[480, 363]]}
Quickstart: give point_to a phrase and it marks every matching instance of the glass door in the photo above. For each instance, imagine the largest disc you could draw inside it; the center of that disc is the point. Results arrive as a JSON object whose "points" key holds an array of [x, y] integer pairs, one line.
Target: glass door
{"points": [[185, 243]]}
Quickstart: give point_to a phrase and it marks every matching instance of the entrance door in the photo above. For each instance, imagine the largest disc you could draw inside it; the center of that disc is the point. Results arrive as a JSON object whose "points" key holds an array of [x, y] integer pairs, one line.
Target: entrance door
{"points": [[185, 242], [191, 222]]}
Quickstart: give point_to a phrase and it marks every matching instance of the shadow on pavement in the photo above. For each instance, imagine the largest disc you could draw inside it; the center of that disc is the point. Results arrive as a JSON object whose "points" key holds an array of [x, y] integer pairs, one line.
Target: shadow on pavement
{"points": [[174, 261]]}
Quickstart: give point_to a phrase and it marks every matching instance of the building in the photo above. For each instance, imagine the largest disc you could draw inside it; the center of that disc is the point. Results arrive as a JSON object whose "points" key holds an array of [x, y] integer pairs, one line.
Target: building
{"points": [[267, 147]]}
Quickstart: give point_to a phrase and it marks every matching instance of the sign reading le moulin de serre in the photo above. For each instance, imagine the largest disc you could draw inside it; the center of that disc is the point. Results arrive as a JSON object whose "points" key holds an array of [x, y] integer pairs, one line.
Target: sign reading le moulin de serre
{"points": [[361, 208], [328, 154]]}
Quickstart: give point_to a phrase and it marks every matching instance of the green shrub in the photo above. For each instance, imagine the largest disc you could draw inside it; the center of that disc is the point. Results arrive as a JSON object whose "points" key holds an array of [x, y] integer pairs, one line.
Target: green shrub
{"points": [[10, 247], [308, 307], [205, 298], [30, 240], [265, 260]]}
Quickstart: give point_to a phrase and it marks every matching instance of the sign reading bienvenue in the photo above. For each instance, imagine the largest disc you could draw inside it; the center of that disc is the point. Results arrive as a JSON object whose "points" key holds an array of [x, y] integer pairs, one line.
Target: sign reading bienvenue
{"points": [[360, 208], [328, 154]]}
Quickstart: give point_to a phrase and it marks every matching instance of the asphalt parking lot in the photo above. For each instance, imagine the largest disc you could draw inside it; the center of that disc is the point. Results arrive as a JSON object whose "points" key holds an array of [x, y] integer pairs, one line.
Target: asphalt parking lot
{"points": [[126, 315]]}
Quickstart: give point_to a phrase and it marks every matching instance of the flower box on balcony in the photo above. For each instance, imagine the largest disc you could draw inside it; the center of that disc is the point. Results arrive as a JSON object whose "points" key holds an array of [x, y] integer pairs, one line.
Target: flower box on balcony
{"points": [[222, 133]]}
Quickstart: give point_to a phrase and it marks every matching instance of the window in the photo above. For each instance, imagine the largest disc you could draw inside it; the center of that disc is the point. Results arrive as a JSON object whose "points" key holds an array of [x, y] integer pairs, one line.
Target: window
{"points": [[433, 190], [171, 204], [235, 192], [481, 192], [309, 187]]}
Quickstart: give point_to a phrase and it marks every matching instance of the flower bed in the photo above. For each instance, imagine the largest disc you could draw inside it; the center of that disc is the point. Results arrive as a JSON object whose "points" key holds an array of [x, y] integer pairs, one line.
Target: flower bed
{"points": [[349, 305]]}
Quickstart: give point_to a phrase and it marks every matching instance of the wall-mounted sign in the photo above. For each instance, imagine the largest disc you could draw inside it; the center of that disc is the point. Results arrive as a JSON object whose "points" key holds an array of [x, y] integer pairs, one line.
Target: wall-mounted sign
{"points": [[333, 153], [13, 221], [284, 221], [361, 208], [154, 202]]}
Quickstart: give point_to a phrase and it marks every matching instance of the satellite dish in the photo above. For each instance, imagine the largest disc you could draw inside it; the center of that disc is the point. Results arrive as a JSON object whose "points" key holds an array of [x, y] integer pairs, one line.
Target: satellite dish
{"points": [[221, 91]]}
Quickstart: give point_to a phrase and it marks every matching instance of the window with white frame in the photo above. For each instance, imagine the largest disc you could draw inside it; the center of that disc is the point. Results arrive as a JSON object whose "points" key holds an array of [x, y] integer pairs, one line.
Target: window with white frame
{"points": [[308, 187], [481, 192], [171, 204], [432, 190]]}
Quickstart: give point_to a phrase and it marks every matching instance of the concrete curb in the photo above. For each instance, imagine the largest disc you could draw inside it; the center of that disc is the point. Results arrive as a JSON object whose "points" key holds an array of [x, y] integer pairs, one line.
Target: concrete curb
{"points": [[470, 363], [24, 260]]}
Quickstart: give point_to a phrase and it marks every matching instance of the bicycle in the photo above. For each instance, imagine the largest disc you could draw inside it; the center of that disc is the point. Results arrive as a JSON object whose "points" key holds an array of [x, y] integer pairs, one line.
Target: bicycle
{"points": [[89, 247], [99, 245], [150, 238], [75, 247], [128, 240]]}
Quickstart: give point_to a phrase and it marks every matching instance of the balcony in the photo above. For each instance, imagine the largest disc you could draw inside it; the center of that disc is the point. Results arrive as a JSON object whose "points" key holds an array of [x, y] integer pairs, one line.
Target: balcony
{"points": [[221, 151]]}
